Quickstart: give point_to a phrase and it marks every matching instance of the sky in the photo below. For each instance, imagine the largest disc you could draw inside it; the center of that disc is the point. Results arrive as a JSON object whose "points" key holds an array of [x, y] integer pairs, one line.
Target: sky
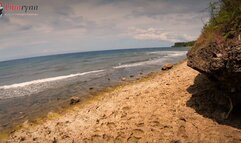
{"points": [[68, 26]]}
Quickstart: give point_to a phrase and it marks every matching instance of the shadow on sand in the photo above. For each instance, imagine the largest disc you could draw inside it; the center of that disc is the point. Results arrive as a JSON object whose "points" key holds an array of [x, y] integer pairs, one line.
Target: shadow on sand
{"points": [[210, 102]]}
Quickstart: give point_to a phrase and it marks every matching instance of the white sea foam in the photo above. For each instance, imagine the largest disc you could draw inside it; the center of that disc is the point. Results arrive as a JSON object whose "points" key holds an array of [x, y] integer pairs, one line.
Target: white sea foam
{"points": [[165, 55], [175, 54], [150, 62], [169, 53], [47, 80]]}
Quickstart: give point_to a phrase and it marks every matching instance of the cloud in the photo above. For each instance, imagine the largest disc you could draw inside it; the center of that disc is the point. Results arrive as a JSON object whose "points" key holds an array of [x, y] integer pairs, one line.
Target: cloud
{"points": [[157, 34], [76, 25]]}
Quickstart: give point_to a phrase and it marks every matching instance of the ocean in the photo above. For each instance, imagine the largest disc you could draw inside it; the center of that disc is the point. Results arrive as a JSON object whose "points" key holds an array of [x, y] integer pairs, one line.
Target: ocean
{"points": [[33, 87]]}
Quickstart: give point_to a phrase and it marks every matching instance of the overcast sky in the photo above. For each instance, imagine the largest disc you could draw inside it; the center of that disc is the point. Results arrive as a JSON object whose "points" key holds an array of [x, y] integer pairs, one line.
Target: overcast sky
{"points": [[64, 26]]}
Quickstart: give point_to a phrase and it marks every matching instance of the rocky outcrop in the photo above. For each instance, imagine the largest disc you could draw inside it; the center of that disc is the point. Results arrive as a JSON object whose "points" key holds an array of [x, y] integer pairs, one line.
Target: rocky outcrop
{"points": [[220, 61], [74, 100], [167, 67]]}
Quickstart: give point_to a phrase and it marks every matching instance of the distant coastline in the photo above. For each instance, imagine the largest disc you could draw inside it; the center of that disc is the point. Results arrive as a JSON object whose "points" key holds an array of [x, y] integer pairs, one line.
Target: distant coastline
{"points": [[184, 44]]}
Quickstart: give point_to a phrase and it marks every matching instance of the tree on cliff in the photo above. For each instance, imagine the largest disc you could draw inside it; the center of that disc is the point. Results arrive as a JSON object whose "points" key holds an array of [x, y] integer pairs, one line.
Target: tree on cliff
{"points": [[225, 18]]}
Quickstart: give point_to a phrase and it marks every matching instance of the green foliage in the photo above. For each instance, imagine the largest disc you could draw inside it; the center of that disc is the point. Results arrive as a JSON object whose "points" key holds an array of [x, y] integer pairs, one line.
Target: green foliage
{"points": [[184, 44], [227, 21]]}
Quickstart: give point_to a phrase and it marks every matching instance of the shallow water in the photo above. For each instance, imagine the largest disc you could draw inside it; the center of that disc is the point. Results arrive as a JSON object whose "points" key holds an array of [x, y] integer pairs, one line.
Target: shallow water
{"points": [[32, 87]]}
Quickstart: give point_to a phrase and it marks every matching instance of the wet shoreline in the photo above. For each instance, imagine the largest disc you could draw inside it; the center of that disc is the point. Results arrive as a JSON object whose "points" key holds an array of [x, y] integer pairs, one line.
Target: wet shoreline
{"points": [[169, 106], [17, 110], [32, 99]]}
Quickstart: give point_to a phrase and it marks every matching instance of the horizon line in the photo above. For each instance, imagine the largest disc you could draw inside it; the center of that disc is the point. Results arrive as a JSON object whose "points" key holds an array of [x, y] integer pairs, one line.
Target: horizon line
{"points": [[75, 52]]}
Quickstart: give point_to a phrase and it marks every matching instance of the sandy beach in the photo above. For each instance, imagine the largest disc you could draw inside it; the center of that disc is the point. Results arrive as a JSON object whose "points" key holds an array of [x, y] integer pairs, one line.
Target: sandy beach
{"points": [[167, 106]]}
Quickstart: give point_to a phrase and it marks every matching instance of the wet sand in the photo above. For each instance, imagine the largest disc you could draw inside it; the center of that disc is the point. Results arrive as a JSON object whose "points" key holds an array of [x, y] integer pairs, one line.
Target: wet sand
{"points": [[171, 106], [16, 110]]}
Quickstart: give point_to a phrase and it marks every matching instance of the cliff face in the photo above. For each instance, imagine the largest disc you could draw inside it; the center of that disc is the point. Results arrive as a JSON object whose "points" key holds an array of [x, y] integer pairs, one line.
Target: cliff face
{"points": [[220, 62], [217, 52]]}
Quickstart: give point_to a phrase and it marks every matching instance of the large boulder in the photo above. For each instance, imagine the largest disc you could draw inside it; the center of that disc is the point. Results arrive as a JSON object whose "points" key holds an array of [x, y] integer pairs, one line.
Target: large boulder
{"points": [[220, 61], [167, 67]]}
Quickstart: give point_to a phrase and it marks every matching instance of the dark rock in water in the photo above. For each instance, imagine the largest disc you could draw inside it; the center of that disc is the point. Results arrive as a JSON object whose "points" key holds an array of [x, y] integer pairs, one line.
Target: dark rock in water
{"points": [[167, 67], [131, 76], [74, 100], [91, 88], [220, 61]]}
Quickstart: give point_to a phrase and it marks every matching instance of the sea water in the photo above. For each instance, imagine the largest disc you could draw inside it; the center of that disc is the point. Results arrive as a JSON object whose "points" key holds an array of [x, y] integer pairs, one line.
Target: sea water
{"points": [[42, 84]]}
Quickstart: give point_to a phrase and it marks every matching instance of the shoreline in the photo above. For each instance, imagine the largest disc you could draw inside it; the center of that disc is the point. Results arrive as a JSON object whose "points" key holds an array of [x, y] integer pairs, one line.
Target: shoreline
{"points": [[35, 93], [95, 96], [46, 101], [157, 108], [85, 98]]}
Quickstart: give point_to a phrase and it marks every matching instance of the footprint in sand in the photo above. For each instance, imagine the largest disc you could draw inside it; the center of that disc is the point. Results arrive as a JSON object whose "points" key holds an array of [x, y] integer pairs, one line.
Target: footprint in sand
{"points": [[138, 133], [132, 139], [86, 140], [126, 108], [182, 132], [96, 138], [120, 138], [123, 115], [155, 123], [111, 125], [182, 129], [140, 124], [135, 136], [108, 137]]}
